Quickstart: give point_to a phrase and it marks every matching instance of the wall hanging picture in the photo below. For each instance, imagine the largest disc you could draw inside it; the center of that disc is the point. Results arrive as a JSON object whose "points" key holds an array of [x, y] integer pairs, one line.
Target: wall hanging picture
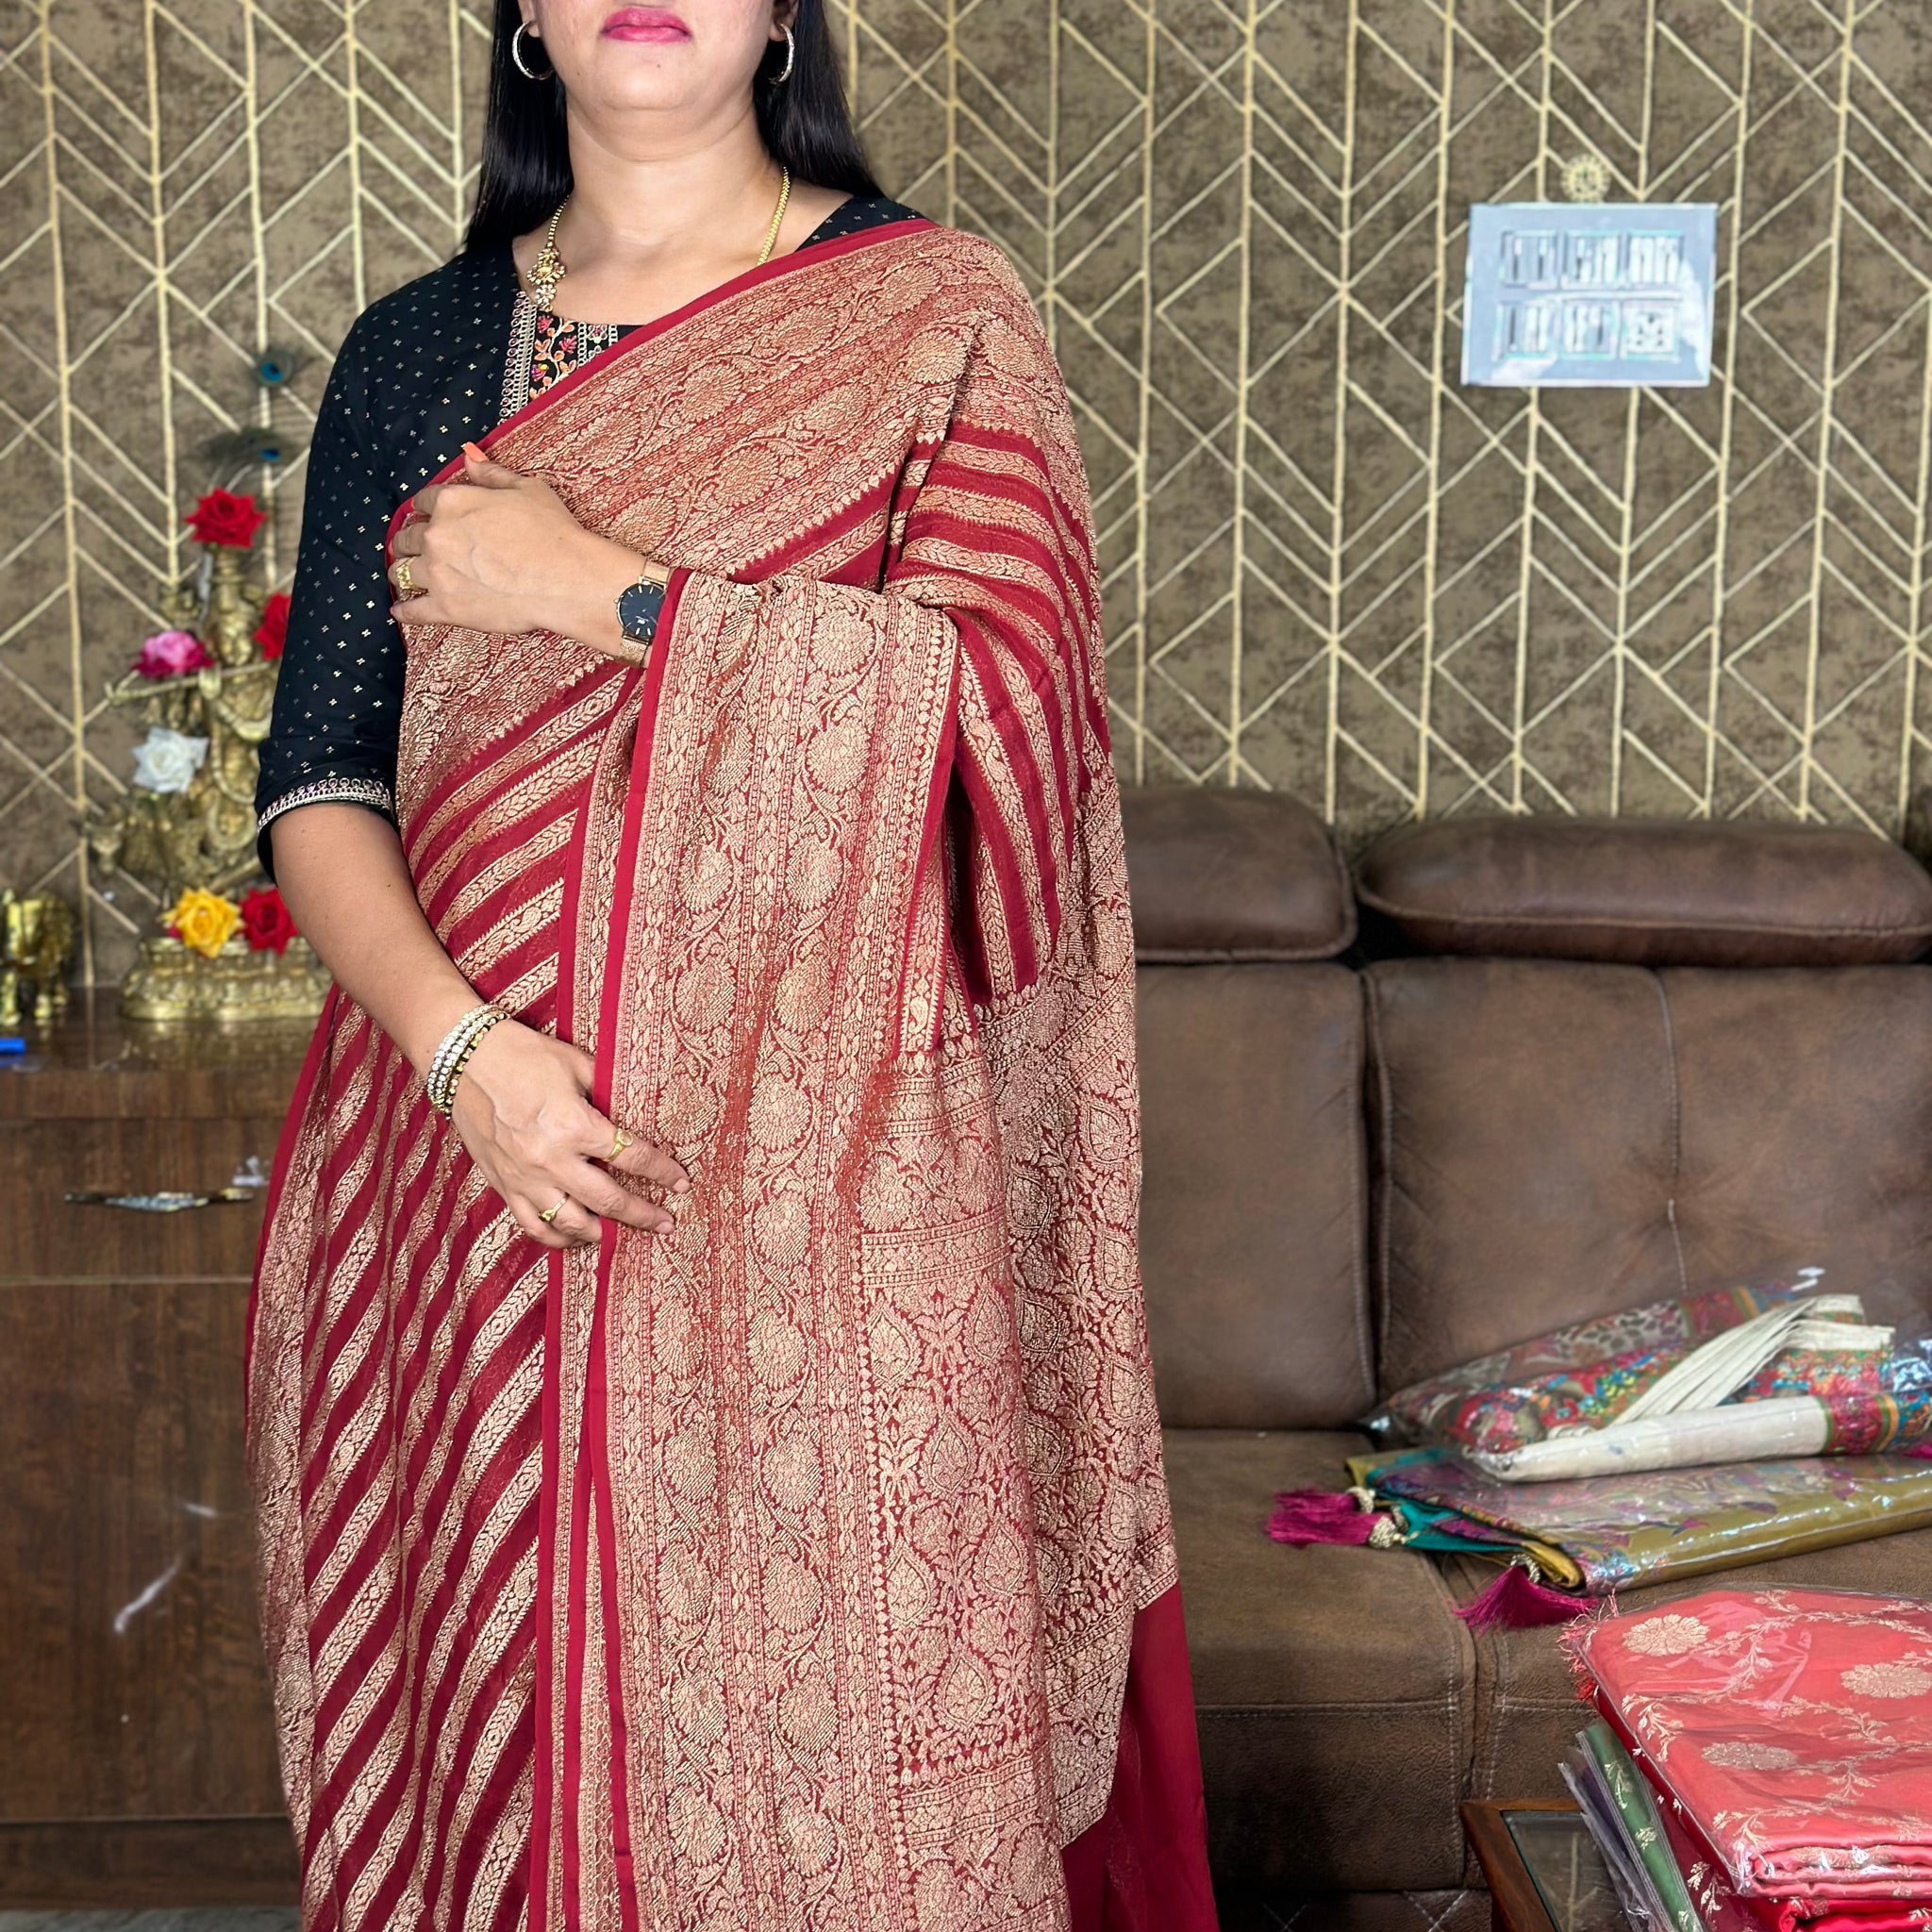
{"points": [[1560, 295]]}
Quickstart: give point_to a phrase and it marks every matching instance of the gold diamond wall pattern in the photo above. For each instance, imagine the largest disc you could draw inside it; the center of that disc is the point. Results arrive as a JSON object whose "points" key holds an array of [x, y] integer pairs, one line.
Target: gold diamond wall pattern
{"points": [[1329, 568]]}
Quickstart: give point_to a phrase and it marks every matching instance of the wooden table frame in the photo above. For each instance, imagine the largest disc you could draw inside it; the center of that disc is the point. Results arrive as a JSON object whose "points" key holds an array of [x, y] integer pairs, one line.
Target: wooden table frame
{"points": [[1515, 1904]]}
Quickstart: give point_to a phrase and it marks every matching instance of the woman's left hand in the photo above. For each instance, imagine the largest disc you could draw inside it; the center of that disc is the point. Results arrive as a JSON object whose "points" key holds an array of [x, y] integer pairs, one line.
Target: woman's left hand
{"points": [[500, 552]]}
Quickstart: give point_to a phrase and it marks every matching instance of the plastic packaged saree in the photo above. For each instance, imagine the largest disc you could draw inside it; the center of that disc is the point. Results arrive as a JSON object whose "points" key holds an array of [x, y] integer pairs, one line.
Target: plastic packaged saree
{"points": [[1606, 1533], [1622, 1817], [1585, 1374], [1736, 1375], [1666, 1876], [1790, 1734], [1724, 1908], [1564, 1542]]}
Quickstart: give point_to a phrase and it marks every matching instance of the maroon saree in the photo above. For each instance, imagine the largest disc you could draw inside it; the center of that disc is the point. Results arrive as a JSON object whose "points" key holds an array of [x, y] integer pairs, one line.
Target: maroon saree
{"points": [[810, 1565]]}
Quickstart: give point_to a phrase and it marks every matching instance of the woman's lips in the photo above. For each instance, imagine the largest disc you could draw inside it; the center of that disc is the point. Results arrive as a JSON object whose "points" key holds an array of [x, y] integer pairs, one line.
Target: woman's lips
{"points": [[645, 24]]}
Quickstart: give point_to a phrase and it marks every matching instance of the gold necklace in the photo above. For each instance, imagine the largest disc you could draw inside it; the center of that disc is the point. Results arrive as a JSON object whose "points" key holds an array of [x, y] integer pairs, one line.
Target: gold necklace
{"points": [[548, 269]]}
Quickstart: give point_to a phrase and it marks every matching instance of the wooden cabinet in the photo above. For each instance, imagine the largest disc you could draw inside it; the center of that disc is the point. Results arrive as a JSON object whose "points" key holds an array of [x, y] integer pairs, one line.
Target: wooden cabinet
{"points": [[137, 1752]]}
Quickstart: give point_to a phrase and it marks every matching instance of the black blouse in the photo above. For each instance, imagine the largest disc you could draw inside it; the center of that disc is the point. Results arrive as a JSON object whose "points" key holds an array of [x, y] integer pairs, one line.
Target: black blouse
{"points": [[421, 371]]}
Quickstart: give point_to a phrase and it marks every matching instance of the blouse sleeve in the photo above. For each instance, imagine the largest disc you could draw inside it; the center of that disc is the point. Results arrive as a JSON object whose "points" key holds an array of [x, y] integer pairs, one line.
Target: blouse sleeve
{"points": [[338, 705]]}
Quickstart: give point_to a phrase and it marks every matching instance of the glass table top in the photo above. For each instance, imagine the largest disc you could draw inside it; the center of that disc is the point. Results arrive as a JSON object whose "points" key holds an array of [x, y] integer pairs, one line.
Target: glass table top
{"points": [[1569, 1872]]}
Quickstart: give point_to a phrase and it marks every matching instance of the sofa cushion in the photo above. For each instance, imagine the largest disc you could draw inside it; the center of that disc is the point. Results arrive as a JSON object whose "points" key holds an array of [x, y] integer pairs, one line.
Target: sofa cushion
{"points": [[1656, 892], [1552, 1142], [1528, 1711], [1333, 1688], [1254, 1193], [1215, 873]]}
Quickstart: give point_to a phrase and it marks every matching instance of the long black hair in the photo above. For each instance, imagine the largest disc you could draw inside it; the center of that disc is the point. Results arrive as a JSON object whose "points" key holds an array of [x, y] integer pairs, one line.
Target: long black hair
{"points": [[525, 163]]}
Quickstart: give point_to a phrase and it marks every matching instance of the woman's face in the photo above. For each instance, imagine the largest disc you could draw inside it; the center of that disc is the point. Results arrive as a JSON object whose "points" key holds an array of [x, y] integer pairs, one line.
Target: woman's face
{"points": [[692, 60]]}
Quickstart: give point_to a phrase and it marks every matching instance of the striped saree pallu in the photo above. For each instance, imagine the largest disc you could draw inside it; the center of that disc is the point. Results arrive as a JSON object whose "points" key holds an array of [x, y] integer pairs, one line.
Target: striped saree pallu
{"points": [[781, 1569]]}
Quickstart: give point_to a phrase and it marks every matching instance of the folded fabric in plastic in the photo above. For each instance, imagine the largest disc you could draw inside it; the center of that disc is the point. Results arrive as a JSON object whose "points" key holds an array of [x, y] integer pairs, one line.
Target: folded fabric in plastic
{"points": [[1664, 1873], [1724, 1908], [1740, 1375], [1793, 1728], [1585, 1373], [1621, 1813], [1607, 1532]]}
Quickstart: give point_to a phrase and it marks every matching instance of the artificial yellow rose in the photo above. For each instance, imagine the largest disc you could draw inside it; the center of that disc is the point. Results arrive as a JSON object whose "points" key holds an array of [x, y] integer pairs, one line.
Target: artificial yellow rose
{"points": [[205, 919]]}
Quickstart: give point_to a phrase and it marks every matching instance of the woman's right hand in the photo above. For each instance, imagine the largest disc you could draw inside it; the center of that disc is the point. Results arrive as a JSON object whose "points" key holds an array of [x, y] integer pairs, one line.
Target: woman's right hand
{"points": [[522, 1109]]}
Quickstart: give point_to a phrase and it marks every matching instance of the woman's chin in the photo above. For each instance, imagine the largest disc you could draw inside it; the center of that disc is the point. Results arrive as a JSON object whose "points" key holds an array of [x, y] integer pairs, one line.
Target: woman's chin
{"points": [[633, 87]]}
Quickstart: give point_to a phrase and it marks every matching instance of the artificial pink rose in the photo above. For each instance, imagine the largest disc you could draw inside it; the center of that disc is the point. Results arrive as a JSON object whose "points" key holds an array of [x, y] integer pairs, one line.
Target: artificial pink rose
{"points": [[169, 653]]}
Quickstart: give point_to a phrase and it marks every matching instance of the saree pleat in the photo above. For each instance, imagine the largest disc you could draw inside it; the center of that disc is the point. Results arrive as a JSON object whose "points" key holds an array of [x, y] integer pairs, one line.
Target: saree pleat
{"points": [[786, 1567]]}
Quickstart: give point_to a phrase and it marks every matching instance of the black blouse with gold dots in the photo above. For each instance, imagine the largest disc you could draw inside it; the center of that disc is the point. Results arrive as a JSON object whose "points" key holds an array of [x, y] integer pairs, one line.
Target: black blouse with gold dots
{"points": [[436, 364]]}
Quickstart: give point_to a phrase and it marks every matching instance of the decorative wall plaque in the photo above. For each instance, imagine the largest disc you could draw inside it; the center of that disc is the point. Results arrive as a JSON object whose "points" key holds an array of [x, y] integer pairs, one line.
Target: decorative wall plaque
{"points": [[1562, 295]]}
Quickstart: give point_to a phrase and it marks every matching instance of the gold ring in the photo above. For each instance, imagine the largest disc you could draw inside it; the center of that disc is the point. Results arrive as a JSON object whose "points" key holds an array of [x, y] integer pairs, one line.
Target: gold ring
{"points": [[618, 1145], [550, 1214], [406, 581]]}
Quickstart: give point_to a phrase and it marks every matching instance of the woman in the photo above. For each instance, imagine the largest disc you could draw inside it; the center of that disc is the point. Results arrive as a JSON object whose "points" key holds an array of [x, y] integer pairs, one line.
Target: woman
{"points": [[699, 1401]]}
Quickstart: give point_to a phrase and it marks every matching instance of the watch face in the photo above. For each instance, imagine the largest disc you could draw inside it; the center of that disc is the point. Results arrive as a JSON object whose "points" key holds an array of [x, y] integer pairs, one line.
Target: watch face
{"points": [[638, 610]]}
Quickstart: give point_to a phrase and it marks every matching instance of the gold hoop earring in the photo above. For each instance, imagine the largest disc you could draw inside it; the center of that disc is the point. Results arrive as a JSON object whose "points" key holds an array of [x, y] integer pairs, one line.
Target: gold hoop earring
{"points": [[784, 74], [516, 54]]}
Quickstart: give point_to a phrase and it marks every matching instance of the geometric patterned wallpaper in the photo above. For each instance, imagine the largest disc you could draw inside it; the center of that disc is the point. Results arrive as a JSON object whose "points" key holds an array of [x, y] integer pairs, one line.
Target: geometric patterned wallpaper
{"points": [[1329, 569]]}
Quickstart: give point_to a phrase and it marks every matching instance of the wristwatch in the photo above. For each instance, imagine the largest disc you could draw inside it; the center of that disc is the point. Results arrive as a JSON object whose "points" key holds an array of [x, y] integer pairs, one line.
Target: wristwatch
{"points": [[641, 605]]}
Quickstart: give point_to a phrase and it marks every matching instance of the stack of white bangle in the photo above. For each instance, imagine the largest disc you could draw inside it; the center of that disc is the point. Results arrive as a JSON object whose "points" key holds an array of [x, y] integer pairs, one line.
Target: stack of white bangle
{"points": [[451, 1057]]}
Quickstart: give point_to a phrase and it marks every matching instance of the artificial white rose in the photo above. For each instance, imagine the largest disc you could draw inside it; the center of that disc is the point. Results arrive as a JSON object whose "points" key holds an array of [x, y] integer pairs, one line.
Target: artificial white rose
{"points": [[168, 760]]}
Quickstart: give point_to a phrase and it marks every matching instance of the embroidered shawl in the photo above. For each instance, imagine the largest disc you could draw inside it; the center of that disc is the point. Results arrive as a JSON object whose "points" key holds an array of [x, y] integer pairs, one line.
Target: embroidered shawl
{"points": [[780, 1570]]}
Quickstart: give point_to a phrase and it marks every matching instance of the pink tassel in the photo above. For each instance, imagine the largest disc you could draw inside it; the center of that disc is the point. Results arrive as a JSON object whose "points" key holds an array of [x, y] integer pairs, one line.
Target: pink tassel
{"points": [[1516, 1601], [1923, 1448], [1313, 1516]]}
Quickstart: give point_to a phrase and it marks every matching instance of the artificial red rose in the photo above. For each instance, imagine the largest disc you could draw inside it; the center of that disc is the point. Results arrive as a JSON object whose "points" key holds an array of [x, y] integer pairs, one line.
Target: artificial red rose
{"points": [[169, 653], [273, 632], [221, 517], [265, 920]]}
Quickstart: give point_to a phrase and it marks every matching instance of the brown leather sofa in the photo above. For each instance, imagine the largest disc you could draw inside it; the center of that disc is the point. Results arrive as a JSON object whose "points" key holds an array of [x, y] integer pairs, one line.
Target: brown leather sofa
{"points": [[1514, 1073]]}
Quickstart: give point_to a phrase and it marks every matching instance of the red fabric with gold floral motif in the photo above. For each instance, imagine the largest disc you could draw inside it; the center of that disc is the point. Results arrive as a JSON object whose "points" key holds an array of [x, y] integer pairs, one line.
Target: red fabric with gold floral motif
{"points": [[788, 1569], [1794, 1730]]}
